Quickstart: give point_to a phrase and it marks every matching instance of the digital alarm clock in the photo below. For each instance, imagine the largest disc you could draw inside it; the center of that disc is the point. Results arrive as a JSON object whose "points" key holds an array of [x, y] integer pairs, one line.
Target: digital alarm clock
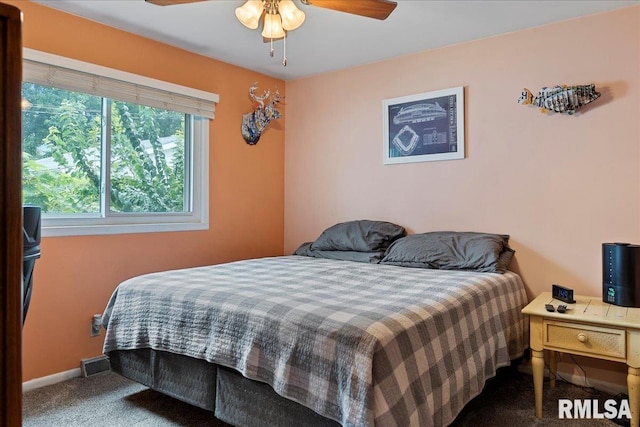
{"points": [[562, 293]]}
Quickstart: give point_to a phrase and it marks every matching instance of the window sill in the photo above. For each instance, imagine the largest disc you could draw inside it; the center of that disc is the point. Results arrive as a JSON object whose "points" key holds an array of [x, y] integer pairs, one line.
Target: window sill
{"points": [[107, 229]]}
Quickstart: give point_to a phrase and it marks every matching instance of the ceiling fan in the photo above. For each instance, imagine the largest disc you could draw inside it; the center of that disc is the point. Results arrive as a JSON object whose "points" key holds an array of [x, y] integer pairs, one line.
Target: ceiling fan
{"points": [[281, 16], [377, 9]]}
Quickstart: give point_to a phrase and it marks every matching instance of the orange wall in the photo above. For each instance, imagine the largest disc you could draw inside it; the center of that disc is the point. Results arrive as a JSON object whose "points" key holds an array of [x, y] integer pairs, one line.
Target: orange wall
{"points": [[76, 275], [559, 185]]}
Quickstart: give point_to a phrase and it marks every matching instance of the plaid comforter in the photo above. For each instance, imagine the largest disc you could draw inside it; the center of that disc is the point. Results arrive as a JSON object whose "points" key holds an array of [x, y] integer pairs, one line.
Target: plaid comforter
{"points": [[362, 344]]}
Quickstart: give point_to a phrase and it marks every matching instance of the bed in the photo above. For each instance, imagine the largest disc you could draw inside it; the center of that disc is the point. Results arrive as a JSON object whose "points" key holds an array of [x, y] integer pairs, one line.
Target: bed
{"points": [[308, 340]]}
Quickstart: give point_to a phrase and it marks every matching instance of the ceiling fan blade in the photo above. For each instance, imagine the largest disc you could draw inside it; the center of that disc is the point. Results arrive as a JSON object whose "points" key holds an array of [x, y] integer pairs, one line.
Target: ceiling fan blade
{"points": [[170, 2], [378, 9]]}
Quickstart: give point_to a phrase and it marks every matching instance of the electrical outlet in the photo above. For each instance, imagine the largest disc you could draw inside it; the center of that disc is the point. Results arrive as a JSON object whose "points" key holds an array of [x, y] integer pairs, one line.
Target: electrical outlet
{"points": [[96, 324]]}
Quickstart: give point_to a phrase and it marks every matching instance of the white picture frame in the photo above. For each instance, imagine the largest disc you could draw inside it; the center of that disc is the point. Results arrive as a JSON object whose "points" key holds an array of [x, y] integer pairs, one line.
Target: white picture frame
{"points": [[424, 127]]}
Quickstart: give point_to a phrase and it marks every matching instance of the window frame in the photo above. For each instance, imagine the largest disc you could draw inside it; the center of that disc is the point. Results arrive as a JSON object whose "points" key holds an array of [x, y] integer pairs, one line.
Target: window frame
{"points": [[197, 169]]}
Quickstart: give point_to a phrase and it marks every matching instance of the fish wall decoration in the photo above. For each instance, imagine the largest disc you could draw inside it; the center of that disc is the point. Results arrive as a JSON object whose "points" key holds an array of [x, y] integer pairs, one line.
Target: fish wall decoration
{"points": [[560, 99], [255, 122]]}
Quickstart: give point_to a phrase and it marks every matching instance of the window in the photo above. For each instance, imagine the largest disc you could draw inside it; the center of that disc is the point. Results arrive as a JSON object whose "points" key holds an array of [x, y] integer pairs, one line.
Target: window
{"points": [[110, 152]]}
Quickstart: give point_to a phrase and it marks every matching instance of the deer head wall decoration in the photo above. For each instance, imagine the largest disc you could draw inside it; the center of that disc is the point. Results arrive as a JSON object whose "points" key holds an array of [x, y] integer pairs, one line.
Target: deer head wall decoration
{"points": [[255, 122]]}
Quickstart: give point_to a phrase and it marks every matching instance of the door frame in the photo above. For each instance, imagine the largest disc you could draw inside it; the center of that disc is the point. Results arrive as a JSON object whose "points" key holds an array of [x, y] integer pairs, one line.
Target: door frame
{"points": [[10, 217]]}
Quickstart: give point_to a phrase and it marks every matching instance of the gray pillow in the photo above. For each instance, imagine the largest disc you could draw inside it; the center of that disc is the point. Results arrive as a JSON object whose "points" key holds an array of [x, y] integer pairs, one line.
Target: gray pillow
{"points": [[359, 236], [451, 250], [369, 257]]}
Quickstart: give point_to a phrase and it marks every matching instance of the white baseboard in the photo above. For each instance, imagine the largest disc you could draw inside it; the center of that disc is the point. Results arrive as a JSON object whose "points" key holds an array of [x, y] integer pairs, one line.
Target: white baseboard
{"points": [[50, 379], [606, 386]]}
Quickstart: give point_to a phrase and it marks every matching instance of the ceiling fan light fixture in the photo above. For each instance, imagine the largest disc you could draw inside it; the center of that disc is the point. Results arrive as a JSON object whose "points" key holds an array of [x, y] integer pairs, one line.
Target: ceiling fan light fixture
{"points": [[292, 17], [281, 16], [249, 13], [272, 27]]}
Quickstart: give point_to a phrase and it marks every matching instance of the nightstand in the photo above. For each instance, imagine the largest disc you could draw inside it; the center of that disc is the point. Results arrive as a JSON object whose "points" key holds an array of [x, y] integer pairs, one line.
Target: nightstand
{"points": [[589, 328]]}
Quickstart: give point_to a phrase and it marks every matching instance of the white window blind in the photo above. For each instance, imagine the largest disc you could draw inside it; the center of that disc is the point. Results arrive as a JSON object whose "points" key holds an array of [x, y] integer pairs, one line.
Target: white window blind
{"points": [[64, 73]]}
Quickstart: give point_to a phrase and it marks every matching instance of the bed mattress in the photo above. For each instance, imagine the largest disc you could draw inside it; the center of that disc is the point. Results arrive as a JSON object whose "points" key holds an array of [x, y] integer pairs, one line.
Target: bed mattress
{"points": [[356, 343]]}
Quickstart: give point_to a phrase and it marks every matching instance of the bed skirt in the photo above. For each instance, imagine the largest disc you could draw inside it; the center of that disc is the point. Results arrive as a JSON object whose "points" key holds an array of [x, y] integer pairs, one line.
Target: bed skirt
{"points": [[191, 380], [233, 398]]}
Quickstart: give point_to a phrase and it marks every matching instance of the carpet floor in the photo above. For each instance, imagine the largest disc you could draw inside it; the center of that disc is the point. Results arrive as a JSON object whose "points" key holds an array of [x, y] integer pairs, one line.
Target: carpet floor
{"points": [[109, 400]]}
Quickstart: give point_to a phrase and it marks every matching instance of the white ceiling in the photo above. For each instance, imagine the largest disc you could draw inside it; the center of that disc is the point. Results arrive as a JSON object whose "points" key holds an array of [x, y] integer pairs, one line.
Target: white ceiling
{"points": [[328, 40]]}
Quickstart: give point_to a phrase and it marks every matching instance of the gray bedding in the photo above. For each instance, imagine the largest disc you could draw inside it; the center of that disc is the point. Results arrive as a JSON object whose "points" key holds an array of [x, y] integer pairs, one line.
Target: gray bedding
{"points": [[374, 257], [233, 398], [357, 343]]}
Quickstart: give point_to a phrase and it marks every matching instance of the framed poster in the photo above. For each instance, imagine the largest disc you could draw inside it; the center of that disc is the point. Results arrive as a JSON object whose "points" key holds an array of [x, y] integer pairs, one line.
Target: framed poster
{"points": [[424, 127]]}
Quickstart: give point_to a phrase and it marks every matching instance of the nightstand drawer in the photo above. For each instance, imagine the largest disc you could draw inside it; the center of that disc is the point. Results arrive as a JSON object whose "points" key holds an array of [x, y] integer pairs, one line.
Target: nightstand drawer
{"points": [[585, 338]]}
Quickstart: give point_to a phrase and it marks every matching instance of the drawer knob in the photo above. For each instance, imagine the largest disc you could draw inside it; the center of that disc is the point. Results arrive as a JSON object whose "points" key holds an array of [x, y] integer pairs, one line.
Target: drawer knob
{"points": [[583, 337]]}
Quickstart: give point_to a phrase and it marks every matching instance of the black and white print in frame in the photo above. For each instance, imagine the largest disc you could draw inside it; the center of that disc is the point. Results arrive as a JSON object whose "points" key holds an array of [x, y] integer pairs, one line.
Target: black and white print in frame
{"points": [[424, 127]]}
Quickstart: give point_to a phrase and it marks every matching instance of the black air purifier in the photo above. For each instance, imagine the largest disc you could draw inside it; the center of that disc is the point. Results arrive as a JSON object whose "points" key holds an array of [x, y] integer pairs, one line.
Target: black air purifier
{"points": [[621, 274], [30, 252]]}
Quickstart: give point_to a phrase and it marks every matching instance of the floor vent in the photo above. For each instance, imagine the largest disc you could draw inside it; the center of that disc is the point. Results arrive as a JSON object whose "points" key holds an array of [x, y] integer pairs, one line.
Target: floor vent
{"points": [[94, 365]]}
